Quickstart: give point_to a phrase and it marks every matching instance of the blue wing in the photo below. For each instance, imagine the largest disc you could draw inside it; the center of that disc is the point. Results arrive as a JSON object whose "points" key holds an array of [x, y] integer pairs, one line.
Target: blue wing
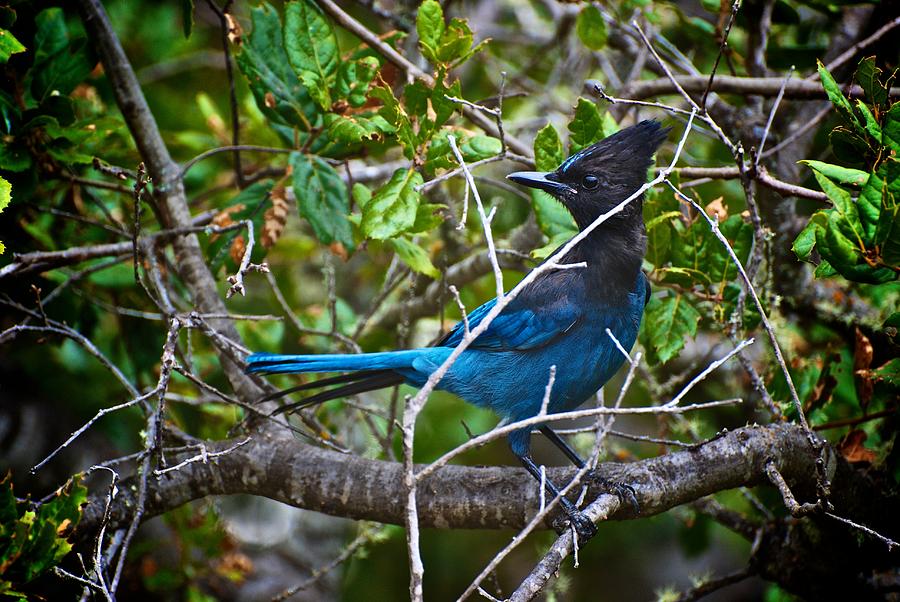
{"points": [[521, 325]]}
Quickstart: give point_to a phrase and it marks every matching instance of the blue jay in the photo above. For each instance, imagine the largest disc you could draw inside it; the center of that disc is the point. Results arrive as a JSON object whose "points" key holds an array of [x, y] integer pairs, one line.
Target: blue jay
{"points": [[560, 319]]}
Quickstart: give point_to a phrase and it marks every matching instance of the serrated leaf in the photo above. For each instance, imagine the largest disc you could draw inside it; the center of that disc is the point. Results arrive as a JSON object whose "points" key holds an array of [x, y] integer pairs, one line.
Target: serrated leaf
{"points": [[430, 27], [354, 128], [890, 131], [591, 28], [322, 198], [312, 48], [275, 87], [869, 78], [850, 148], [456, 42], [548, 150], [586, 126], [869, 205], [480, 147], [667, 322], [5, 193], [837, 98], [60, 64], [806, 240], [415, 257], [394, 113], [835, 247], [392, 209], [869, 121], [843, 205], [428, 218], [553, 219], [354, 78], [844, 175], [887, 231], [9, 46]]}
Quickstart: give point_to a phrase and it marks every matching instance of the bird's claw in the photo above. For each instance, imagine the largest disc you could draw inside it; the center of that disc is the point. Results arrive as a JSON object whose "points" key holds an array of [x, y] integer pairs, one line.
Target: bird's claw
{"points": [[623, 491], [584, 527]]}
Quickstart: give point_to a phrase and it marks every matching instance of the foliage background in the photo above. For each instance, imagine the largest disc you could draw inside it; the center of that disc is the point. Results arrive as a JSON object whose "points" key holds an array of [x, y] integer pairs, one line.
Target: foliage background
{"points": [[332, 260]]}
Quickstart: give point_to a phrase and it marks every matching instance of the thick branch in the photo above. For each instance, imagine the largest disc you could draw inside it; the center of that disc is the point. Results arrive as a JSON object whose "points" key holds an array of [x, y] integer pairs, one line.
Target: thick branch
{"points": [[287, 470]]}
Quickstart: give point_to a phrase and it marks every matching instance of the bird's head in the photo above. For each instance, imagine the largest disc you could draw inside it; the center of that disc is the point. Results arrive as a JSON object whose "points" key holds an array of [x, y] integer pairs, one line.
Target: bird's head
{"points": [[599, 177]]}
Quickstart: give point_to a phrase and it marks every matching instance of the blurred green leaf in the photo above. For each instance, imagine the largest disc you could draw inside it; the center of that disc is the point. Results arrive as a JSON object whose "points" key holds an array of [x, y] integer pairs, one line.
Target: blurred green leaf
{"points": [[275, 87], [415, 257], [187, 17], [548, 150], [891, 128], [869, 205], [591, 28], [354, 78], [480, 147], [428, 218], [869, 78], [354, 128], [394, 113], [312, 48], [322, 199], [666, 324], [806, 240], [586, 126], [837, 98], [9, 45], [553, 219], [844, 175], [393, 207], [430, 27]]}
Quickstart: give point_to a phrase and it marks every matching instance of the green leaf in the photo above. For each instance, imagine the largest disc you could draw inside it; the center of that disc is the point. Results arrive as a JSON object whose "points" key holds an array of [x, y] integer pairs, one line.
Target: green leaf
{"points": [[869, 205], [428, 217], [659, 211], [869, 78], [5, 193], [837, 98], [354, 79], [844, 175], [312, 48], [843, 205], [591, 28], [276, 88], [871, 124], [887, 231], [890, 136], [553, 219], [586, 126], [666, 324], [836, 248], [415, 257], [360, 194], [393, 112], [889, 373], [59, 64], [9, 46], [354, 128], [322, 198], [187, 17], [456, 42], [548, 150], [392, 209], [806, 240], [480, 147], [430, 27], [850, 148]]}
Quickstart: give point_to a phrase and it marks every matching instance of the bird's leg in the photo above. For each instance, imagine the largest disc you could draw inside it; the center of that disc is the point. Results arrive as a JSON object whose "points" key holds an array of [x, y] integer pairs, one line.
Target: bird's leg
{"points": [[623, 491], [582, 524], [564, 447]]}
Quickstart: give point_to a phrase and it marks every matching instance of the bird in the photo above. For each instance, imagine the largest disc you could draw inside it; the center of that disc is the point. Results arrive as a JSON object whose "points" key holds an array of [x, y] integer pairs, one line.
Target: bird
{"points": [[562, 318]]}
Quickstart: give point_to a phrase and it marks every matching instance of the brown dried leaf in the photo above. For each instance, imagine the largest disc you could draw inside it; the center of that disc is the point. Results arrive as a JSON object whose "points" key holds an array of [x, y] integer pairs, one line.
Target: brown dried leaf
{"points": [[269, 99], [717, 208], [851, 447], [276, 216], [234, 29], [223, 218], [238, 246], [339, 250], [862, 361]]}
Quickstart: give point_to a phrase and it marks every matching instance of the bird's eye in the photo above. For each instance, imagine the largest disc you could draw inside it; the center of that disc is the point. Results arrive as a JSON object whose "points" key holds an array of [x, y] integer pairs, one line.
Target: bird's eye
{"points": [[590, 182]]}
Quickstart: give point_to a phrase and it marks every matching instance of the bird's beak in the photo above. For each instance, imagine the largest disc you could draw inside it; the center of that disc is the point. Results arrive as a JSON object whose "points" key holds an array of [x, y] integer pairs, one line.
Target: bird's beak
{"points": [[539, 180]]}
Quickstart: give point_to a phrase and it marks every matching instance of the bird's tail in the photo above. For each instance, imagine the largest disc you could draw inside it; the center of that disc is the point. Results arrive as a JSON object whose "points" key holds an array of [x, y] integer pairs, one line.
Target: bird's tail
{"points": [[366, 372], [268, 363]]}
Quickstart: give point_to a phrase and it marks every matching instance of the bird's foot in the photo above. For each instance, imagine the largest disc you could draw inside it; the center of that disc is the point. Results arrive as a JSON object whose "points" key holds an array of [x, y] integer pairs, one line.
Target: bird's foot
{"points": [[623, 491], [584, 527]]}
